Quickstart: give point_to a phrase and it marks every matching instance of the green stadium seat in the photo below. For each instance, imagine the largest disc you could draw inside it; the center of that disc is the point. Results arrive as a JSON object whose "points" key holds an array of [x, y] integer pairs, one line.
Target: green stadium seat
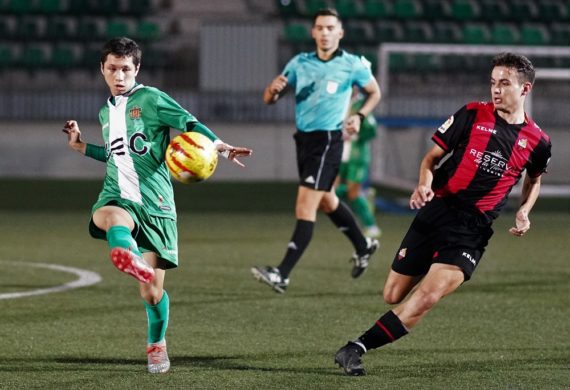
{"points": [[492, 10], [288, 8], [425, 62], [52, 7], [296, 33], [63, 57], [90, 57], [88, 30], [524, 10], [6, 56], [117, 28], [105, 7], [78, 7], [138, 8], [5, 28], [401, 62], [476, 33], [347, 9], [534, 35], [28, 28], [551, 10], [148, 31], [420, 32], [378, 9], [465, 10], [560, 34], [312, 6], [22, 7], [58, 29], [4, 7], [33, 57], [407, 9], [447, 32], [505, 34], [357, 32], [436, 10], [388, 31]]}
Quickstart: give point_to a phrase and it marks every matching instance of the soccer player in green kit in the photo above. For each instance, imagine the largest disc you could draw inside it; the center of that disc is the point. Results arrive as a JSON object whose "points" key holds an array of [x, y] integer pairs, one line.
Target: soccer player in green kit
{"points": [[353, 170], [135, 211]]}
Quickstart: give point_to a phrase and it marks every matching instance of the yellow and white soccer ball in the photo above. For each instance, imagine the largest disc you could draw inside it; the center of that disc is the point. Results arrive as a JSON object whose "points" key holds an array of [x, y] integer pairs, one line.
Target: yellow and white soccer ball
{"points": [[191, 157]]}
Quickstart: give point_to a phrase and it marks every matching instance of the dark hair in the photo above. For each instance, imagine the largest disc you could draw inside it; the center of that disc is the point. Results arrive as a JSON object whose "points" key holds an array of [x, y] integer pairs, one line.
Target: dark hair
{"points": [[122, 47], [519, 62], [327, 12]]}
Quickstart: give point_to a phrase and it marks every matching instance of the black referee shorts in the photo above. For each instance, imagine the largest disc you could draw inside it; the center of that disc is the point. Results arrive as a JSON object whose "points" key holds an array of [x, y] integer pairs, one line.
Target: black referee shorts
{"points": [[318, 158], [441, 233]]}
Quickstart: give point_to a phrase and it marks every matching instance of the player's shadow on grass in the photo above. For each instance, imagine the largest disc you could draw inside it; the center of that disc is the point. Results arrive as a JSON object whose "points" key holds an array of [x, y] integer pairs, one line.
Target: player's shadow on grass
{"points": [[216, 362]]}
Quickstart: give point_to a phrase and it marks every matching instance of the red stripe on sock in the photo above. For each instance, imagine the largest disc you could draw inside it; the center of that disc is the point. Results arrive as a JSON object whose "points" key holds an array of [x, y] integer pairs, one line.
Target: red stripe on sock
{"points": [[392, 338]]}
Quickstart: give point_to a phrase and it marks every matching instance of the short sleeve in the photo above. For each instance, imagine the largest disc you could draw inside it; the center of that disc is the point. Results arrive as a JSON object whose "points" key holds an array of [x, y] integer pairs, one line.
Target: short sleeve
{"points": [[540, 158], [450, 133], [290, 71], [171, 114], [362, 72]]}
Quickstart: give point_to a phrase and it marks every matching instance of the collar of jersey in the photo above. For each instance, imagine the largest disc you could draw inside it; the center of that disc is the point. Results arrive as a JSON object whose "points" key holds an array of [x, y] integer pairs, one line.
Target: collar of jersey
{"points": [[337, 53], [113, 99]]}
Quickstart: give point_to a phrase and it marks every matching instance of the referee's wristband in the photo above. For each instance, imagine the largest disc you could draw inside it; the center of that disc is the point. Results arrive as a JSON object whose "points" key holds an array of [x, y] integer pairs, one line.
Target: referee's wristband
{"points": [[361, 116]]}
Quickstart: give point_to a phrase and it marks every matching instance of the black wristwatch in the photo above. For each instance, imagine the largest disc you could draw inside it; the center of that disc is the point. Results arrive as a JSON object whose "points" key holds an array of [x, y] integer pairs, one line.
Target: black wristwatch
{"points": [[361, 115]]}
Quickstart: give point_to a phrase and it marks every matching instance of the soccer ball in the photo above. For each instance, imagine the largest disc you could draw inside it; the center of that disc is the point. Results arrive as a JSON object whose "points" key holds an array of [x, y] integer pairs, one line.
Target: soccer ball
{"points": [[191, 157]]}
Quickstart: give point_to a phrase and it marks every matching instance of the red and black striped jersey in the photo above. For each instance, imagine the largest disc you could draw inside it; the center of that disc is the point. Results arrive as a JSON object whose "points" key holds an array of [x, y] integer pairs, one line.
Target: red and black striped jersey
{"points": [[488, 157]]}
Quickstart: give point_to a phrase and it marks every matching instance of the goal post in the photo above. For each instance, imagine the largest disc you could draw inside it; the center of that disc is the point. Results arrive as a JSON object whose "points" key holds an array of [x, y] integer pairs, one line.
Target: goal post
{"points": [[417, 100]]}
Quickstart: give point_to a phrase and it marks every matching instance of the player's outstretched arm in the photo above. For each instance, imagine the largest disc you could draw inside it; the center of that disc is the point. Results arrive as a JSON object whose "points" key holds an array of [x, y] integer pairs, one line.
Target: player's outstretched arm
{"points": [[530, 191], [74, 136], [232, 152]]}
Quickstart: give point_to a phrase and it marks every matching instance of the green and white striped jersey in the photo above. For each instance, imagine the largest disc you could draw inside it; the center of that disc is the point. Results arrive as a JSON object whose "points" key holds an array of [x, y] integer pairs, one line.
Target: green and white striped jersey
{"points": [[136, 130]]}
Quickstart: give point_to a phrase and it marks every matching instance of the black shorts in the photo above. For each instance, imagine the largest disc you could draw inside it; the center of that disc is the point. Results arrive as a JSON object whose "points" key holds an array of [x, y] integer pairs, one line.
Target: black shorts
{"points": [[318, 158], [441, 233]]}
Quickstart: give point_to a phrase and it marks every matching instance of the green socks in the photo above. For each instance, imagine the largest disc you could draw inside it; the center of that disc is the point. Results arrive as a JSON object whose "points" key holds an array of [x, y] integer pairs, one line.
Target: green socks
{"points": [[362, 210], [157, 318], [120, 237], [359, 206]]}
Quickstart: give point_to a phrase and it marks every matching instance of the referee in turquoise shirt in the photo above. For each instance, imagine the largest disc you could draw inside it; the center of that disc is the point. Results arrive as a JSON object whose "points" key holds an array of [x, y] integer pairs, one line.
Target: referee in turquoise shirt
{"points": [[322, 82]]}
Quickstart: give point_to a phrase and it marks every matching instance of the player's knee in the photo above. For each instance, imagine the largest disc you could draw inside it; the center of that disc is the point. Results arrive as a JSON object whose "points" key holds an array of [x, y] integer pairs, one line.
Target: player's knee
{"points": [[392, 296], [151, 295]]}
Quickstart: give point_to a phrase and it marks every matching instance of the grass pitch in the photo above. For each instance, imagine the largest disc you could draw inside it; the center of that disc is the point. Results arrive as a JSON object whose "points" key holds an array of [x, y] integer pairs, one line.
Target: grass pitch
{"points": [[508, 328]]}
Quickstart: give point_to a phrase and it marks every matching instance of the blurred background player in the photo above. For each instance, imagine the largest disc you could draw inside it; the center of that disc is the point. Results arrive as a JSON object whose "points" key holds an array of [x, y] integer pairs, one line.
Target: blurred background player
{"points": [[135, 211], [353, 173], [322, 82], [489, 145]]}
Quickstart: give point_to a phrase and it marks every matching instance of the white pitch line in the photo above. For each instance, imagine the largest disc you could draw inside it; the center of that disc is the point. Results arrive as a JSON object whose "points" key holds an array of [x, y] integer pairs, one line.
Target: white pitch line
{"points": [[86, 278]]}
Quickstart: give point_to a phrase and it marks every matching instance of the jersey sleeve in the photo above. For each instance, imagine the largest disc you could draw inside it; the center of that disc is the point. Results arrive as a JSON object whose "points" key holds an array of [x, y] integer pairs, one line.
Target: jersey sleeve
{"points": [[171, 114], [362, 72], [290, 71], [540, 158], [450, 133]]}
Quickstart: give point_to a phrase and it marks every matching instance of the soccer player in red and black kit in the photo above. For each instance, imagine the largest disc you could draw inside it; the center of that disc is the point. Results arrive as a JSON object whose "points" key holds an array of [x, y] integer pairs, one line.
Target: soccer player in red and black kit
{"points": [[489, 146]]}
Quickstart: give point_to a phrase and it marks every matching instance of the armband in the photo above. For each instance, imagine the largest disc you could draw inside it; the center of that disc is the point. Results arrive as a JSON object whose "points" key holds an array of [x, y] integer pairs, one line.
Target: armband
{"points": [[361, 116]]}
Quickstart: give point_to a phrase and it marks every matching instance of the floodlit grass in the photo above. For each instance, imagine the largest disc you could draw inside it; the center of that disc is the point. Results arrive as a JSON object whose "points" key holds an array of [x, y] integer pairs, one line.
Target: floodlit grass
{"points": [[508, 328]]}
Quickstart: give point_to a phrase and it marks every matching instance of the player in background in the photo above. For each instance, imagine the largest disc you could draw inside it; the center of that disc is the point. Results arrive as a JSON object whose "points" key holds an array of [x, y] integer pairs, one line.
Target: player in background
{"points": [[356, 157], [135, 211], [489, 145], [322, 82]]}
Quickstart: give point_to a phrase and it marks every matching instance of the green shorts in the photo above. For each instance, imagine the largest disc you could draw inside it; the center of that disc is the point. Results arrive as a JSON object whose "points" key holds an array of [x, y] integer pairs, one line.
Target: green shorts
{"points": [[152, 233], [354, 171]]}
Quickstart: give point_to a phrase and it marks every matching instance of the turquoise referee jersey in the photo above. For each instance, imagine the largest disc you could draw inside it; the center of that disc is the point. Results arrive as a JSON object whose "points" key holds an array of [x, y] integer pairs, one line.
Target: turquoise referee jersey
{"points": [[323, 88]]}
